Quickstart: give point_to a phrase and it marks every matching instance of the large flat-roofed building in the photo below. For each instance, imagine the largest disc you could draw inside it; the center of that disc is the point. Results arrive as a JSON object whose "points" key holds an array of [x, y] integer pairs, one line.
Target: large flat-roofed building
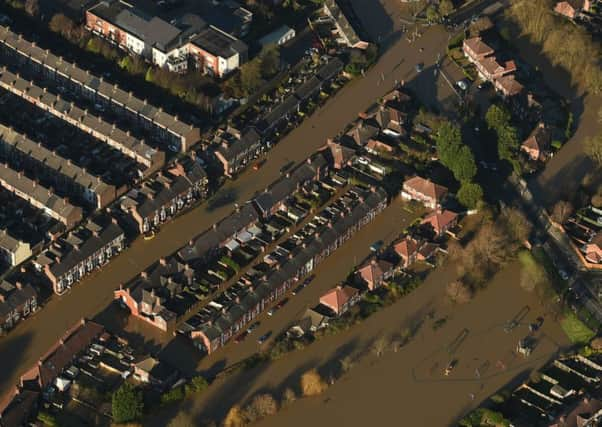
{"points": [[108, 133], [216, 52], [40, 197], [166, 127], [17, 147], [135, 31]]}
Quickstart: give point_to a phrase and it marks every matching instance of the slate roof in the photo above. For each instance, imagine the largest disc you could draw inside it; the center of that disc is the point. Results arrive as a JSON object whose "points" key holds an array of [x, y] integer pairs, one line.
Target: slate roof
{"points": [[14, 298], [213, 329], [61, 355], [44, 196], [51, 160], [249, 141], [86, 249], [83, 77]]}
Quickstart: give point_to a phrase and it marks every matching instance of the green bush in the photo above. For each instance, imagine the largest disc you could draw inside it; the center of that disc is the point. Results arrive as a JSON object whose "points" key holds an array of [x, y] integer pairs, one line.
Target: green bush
{"points": [[173, 395], [197, 384], [127, 404]]}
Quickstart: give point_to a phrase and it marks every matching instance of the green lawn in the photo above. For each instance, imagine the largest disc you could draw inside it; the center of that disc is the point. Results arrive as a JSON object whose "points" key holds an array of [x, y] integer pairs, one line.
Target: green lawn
{"points": [[576, 330]]}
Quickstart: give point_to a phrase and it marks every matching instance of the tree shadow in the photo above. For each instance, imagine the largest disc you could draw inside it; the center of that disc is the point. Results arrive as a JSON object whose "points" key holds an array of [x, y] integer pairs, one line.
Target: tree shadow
{"points": [[13, 352]]}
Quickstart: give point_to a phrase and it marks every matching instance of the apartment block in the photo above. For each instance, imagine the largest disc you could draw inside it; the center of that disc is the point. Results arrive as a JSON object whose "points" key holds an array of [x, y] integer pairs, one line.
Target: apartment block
{"points": [[218, 331]]}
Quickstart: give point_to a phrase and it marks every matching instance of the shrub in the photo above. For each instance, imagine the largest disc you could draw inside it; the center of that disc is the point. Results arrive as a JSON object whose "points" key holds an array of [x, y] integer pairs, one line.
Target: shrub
{"points": [[127, 403], [261, 406], [312, 383], [196, 385], [234, 418], [173, 395]]}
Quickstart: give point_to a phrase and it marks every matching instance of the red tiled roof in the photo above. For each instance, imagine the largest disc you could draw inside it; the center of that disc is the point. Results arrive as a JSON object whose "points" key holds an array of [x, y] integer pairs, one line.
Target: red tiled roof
{"points": [[426, 187], [406, 248], [477, 46], [509, 85], [374, 271], [440, 219], [337, 297]]}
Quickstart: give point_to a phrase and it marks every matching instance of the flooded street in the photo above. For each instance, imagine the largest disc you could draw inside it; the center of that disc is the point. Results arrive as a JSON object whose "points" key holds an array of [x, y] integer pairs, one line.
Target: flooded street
{"points": [[31, 339], [408, 385]]}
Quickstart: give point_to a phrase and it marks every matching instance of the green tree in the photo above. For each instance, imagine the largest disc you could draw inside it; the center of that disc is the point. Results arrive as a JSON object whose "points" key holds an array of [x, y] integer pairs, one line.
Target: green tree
{"points": [[446, 7], [270, 62], [431, 14], [250, 77], [127, 403], [470, 194], [497, 117], [454, 155]]}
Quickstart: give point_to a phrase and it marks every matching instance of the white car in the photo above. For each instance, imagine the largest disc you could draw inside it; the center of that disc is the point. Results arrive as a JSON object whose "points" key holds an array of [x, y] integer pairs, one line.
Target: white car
{"points": [[462, 85]]}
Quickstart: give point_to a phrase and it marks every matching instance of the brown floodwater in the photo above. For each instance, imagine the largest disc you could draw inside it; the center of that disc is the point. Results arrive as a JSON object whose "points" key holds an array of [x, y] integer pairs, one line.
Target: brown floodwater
{"points": [[406, 387]]}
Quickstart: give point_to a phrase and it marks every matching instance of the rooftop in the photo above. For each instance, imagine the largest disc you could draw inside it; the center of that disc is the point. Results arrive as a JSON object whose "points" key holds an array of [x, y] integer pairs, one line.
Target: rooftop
{"points": [[219, 43]]}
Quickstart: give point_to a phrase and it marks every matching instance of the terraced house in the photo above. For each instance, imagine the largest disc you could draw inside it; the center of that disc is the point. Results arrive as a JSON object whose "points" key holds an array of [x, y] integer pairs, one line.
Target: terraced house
{"points": [[215, 333], [169, 129], [74, 256], [166, 194], [40, 197], [62, 173], [16, 302], [150, 158]]}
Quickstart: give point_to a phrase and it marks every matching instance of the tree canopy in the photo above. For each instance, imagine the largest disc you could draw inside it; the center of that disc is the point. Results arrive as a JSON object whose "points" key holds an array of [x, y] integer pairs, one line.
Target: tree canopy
{"points": [[470, 194], [453, 154], [127, 403]]}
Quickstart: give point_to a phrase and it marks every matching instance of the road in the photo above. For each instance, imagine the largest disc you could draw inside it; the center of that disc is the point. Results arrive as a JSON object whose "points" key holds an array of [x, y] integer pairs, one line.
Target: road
{"points": [[31, 339]]}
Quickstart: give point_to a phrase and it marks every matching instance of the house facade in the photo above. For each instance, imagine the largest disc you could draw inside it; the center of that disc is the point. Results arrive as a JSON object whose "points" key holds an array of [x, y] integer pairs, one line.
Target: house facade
{"points": [[424, 191], [16, 303], [179, 187], [537, 145], [75, 261], [13, 251], [340, 299], [237, 151], [375, 273], [441, 221]]}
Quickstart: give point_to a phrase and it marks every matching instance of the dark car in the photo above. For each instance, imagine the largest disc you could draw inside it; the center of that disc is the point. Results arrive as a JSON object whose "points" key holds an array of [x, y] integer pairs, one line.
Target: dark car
{"points": [[297, 289], [286, 167], [264, 337], [253, 327]]}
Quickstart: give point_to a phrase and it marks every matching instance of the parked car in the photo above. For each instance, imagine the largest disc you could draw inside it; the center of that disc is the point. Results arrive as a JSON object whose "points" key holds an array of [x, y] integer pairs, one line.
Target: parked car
{"points": [[287, 166], [462, 84], [253, 327], [376, 246], [264, 337], [419, 67]]}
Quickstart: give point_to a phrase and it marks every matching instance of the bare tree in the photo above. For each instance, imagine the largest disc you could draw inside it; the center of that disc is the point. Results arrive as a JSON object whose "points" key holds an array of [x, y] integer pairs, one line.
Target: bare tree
{"points": [[262, 405], [312, 383], [234, 418], [32, 8], [593, 148], [562, 211], [346, 363], [517, 224], [288, 397], [380, 345], [459, 292]]}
